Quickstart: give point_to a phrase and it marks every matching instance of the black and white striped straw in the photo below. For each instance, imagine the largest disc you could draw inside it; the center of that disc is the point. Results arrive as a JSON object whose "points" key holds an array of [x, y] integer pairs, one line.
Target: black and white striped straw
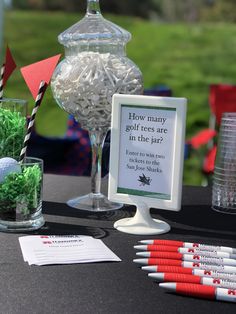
{"points": [[1, 80], [38, 100]]}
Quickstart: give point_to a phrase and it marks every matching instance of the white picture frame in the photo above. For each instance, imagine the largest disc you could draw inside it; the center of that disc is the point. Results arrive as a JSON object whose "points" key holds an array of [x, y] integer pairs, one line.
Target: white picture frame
{"points": [[146, 131]]}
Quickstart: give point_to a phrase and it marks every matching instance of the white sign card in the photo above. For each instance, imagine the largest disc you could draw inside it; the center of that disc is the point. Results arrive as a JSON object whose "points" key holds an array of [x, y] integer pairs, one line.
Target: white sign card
{"points": [[147, 149]]}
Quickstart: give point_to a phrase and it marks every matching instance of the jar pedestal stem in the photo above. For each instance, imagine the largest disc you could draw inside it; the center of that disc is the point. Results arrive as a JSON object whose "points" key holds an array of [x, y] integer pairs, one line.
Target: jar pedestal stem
{"points": [[95, 201], [97, 138]]}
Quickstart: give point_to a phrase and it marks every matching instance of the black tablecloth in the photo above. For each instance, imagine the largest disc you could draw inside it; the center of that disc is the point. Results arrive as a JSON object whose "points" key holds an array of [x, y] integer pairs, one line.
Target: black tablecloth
{"points": [[108, 287]]}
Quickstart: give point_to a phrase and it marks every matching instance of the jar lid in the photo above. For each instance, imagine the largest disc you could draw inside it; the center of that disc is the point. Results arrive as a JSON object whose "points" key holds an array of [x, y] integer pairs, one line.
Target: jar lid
{"points": [[93, 28]]}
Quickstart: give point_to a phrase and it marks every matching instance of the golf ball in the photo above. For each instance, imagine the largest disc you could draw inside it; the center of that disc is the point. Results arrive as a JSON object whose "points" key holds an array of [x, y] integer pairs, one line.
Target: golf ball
{"points": [[8, 165]]}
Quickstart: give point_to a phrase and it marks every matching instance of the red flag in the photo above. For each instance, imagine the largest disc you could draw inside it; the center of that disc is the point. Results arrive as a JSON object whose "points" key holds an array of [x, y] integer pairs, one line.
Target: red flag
{"points": [[34, 73], [10, 66]]}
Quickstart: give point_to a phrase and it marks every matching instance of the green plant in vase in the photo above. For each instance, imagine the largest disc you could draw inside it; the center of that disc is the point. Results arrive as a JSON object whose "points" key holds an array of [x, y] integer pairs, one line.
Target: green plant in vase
{"points": [[21, 191], [20, 176], [20, 184], [12, 133]]}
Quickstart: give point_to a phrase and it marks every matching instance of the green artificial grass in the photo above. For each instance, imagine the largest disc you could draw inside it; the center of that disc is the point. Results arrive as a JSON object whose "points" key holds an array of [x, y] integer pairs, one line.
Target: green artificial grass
{"points": [[21, 190], [185, 57], [12, 133]]}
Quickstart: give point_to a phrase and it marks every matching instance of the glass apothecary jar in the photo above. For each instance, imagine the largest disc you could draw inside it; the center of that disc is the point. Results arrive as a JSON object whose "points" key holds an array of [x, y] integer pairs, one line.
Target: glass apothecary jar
{"points": [[95, 67]]}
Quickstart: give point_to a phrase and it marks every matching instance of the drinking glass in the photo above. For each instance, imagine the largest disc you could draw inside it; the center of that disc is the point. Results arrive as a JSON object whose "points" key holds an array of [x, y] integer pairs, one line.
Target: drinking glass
{"points": [[224, 178], [95, 67]]}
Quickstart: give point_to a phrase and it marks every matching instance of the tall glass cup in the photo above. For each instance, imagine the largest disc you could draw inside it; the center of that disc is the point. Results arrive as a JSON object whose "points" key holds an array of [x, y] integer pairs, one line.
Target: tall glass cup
{"points": [[224, 178]]}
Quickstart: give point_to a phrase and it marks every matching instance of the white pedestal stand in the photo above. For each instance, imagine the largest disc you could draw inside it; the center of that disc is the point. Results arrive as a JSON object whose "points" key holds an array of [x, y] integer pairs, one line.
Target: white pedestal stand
{"points": [[142, 223]]}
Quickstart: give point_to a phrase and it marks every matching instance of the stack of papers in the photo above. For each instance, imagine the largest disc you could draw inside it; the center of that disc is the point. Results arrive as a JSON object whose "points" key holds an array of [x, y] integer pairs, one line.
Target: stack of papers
{"points": [[45, 250]]}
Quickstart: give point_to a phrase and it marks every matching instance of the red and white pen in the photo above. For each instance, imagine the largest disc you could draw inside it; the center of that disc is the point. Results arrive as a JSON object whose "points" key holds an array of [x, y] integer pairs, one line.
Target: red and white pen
{"points": [[174, 262], [189, 257], [190, 271], [200, 291], [173, 277], [183, 250], [202, 247]]}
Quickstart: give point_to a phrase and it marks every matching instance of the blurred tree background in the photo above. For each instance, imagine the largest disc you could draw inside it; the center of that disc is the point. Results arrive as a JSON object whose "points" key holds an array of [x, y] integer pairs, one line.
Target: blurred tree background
{"points": [[163, 10], [184, 44]]}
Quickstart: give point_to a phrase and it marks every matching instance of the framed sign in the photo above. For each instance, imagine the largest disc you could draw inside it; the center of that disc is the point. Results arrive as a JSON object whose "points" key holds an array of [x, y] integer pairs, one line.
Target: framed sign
{"points": [[147, 149]]}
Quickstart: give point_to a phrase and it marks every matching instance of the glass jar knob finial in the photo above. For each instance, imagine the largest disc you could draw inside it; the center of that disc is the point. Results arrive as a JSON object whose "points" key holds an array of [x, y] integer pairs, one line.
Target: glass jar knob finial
{"points": [[93, 7]]}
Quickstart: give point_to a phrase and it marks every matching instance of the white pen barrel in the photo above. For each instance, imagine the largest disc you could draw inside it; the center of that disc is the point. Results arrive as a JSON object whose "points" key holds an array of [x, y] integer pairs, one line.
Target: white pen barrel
{"points": [[215, 274], [205, 266], [226, 294], [205, 253], [218, 282], [204, 247], [209, 260]]}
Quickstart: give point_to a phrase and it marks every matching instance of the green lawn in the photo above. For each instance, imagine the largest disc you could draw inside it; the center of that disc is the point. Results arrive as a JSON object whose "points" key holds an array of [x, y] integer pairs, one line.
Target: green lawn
{"points": [[186, 57]]}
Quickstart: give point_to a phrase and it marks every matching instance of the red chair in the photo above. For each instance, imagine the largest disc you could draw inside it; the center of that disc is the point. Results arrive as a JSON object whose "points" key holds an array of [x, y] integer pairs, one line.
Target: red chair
{"points": [[222, 98]]}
